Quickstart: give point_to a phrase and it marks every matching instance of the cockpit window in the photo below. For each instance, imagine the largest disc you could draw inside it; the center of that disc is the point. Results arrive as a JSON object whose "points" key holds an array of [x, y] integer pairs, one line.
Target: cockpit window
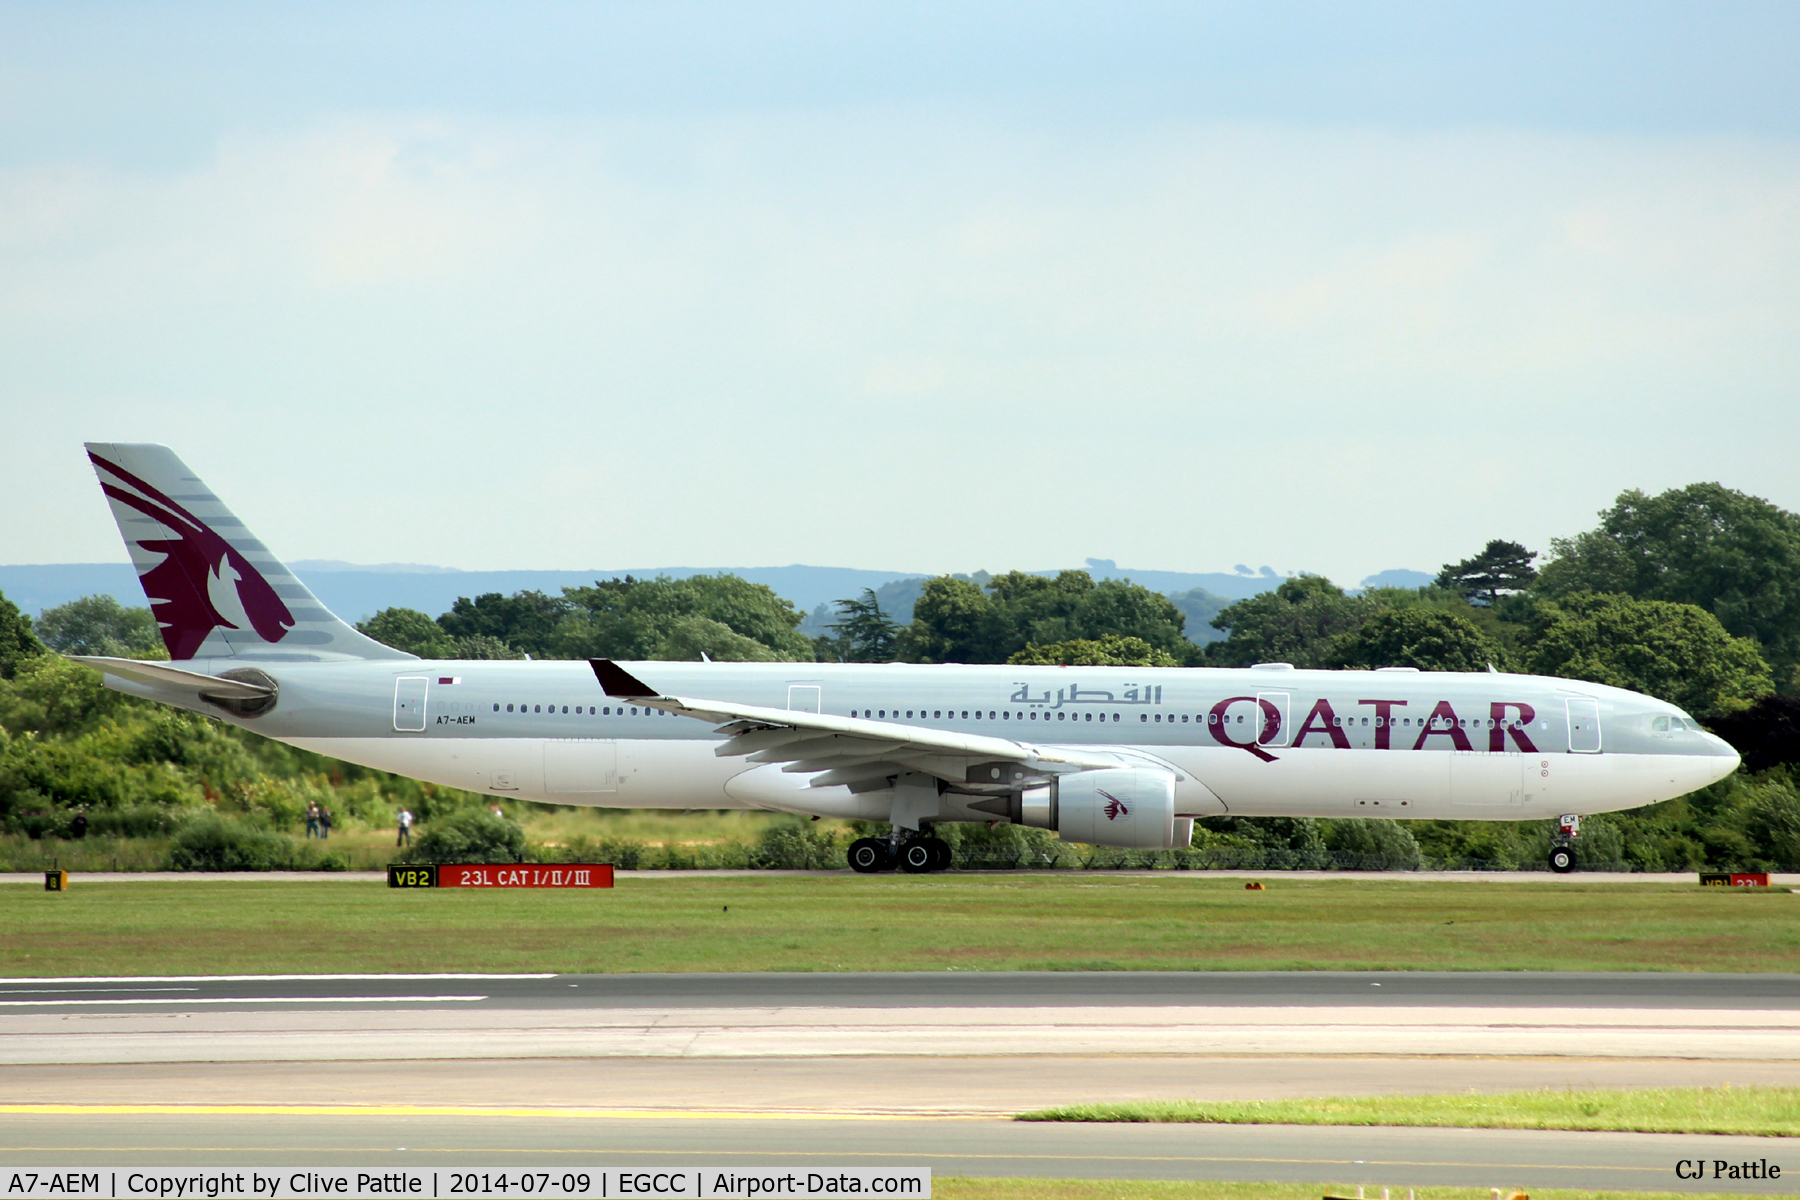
{"points": [[1660, 725]]}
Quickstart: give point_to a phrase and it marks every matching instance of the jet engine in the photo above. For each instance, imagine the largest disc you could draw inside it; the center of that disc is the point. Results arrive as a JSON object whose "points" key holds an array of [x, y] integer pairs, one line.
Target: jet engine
{"points": [[1119, 806]]}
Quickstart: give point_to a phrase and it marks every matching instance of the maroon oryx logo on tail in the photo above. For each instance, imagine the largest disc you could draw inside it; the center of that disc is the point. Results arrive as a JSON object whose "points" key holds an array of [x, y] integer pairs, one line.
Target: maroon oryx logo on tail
{"points": [[202, 583], [1115, 807]]}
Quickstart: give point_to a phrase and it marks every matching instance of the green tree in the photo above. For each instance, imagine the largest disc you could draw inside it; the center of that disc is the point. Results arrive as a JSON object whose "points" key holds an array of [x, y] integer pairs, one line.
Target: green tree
{"points": [[410, 630], [481, 646], [864, 632], [1501, 569], [525, 620], [1430, 639], [17, 642], [657, 619], [1675, 652], [953, 621], [688, 638], [101, 625], [1120, 608], [1109, 651], [1736, 556], [1298, 623]]}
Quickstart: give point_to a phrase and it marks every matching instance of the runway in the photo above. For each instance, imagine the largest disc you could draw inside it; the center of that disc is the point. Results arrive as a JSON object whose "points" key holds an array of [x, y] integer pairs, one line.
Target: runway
{"points": [[873, 1069], [363, 1018]]}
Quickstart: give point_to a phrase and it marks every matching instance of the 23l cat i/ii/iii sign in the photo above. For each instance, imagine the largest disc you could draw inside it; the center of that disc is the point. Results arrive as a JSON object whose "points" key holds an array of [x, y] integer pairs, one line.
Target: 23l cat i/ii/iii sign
{"points": [[502, 875]]}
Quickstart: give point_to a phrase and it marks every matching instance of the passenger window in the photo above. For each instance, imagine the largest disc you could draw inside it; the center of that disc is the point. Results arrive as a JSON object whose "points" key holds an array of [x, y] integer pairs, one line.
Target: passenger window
{"points": [[1144, 717], [508, 707]]}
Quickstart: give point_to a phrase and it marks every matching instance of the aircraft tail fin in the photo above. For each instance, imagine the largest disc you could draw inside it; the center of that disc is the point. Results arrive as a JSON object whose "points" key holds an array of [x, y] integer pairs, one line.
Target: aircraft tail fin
{"points": [[216, 591]]}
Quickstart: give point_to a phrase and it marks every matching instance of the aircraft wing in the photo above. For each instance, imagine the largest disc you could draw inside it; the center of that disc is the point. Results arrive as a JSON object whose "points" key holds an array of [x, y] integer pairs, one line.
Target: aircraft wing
{"points": [[851, 752]]}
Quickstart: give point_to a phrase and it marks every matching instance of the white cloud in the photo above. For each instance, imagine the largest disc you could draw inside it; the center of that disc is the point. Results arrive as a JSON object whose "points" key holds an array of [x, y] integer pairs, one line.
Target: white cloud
{"points": [[904, 338]]}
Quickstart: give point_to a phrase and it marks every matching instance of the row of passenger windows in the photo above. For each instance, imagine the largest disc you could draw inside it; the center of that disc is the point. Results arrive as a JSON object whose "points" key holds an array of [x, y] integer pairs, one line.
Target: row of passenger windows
{"points": [[589, 710], [1171, 718], [994, 715], [940, 714]]}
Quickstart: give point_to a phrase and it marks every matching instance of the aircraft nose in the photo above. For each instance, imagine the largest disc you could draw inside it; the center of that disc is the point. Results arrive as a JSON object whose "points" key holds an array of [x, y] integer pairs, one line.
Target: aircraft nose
{"points": [[1724, 758]]}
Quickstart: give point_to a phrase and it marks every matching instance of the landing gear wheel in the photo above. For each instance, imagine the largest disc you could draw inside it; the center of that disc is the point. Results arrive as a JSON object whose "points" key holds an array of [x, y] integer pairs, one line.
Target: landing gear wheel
{"points": [[940, 853], [917, 857], [1562, 859], [869, 855]]}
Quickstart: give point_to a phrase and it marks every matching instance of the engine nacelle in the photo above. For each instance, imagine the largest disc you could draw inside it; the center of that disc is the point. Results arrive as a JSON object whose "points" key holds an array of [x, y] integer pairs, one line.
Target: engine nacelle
{"points": [[1119, 806]]}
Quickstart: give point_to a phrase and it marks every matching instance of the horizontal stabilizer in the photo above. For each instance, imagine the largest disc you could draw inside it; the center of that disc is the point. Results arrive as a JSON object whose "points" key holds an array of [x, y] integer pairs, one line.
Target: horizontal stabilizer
{"points": [[161, 675]]}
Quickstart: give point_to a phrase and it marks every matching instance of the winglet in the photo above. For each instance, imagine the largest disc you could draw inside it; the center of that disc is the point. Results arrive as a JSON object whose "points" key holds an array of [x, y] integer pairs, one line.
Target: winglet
{"points": [[619, 683]]}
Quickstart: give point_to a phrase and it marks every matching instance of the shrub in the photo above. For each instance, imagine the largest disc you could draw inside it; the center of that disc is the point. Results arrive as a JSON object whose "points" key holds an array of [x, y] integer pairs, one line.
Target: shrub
{"points": [[213, 843], [796, 846], [1371, 845], [471, 837], [138, 820], [1281, 843]]}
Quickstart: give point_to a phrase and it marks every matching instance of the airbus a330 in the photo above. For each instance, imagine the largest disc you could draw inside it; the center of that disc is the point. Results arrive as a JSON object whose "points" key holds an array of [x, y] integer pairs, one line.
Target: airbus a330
{"points": [[1114, 756]]}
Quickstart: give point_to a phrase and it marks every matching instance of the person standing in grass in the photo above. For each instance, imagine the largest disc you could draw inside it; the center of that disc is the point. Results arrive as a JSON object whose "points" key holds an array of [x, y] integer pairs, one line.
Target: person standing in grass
{"points": [[324, 821], [404, 821], [312, 818]]}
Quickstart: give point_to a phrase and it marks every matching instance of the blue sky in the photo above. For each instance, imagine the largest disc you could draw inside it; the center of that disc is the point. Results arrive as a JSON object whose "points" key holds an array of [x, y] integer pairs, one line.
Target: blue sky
{"points": [[922, 287]]}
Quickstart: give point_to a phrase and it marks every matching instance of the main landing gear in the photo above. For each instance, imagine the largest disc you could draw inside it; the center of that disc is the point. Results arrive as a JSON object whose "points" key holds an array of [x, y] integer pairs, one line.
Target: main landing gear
{"points": [[917, 855], [1562, 844]]}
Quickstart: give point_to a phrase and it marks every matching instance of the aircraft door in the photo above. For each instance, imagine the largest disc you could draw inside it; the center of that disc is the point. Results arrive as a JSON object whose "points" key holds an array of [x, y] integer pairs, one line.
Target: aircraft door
{"points": [[803, 697], [1275, 728], [1584, 725], [409, 703]]}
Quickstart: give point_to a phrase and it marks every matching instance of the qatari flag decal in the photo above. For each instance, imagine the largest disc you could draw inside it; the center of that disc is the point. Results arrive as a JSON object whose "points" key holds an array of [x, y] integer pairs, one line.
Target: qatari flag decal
{"points": [[447, 680]]}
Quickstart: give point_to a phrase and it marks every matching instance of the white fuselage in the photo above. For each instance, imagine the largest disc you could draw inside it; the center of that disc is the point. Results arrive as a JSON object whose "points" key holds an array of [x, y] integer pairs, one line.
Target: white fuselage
{"points": [[1259, 741]]}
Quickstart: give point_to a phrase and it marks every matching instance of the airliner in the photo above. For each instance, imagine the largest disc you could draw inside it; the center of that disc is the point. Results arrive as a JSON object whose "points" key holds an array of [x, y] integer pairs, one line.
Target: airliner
{"points": [[1112, 756]]}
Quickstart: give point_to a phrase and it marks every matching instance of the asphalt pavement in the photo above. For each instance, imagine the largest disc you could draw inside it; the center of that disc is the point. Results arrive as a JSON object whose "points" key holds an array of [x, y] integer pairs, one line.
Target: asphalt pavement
{"points": [[1394, 1157], [1013, 990]]}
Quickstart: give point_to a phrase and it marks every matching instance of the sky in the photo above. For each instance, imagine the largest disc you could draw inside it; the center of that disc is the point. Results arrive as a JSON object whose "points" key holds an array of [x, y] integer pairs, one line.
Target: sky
{"points": [[924, 287]]}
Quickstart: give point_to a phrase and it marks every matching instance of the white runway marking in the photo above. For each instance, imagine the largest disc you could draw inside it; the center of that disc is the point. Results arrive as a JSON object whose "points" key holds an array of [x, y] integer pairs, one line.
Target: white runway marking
{"points": [[85, 990], [74, 979], [185, 1000]]}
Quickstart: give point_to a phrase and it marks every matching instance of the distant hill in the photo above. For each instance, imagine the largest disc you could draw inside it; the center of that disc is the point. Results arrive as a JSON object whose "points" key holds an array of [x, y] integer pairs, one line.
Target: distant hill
{"points": [[357, 592]]}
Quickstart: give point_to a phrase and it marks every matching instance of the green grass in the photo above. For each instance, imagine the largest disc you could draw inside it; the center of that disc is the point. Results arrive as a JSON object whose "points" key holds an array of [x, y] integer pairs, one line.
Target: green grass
{"points": [[1764, 1111], [894, 922], [948, 1188]]}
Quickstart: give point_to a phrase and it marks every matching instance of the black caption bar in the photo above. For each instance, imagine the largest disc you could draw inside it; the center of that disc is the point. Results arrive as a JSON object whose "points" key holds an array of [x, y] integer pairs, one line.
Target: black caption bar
{"points": [[564, 1183]]}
